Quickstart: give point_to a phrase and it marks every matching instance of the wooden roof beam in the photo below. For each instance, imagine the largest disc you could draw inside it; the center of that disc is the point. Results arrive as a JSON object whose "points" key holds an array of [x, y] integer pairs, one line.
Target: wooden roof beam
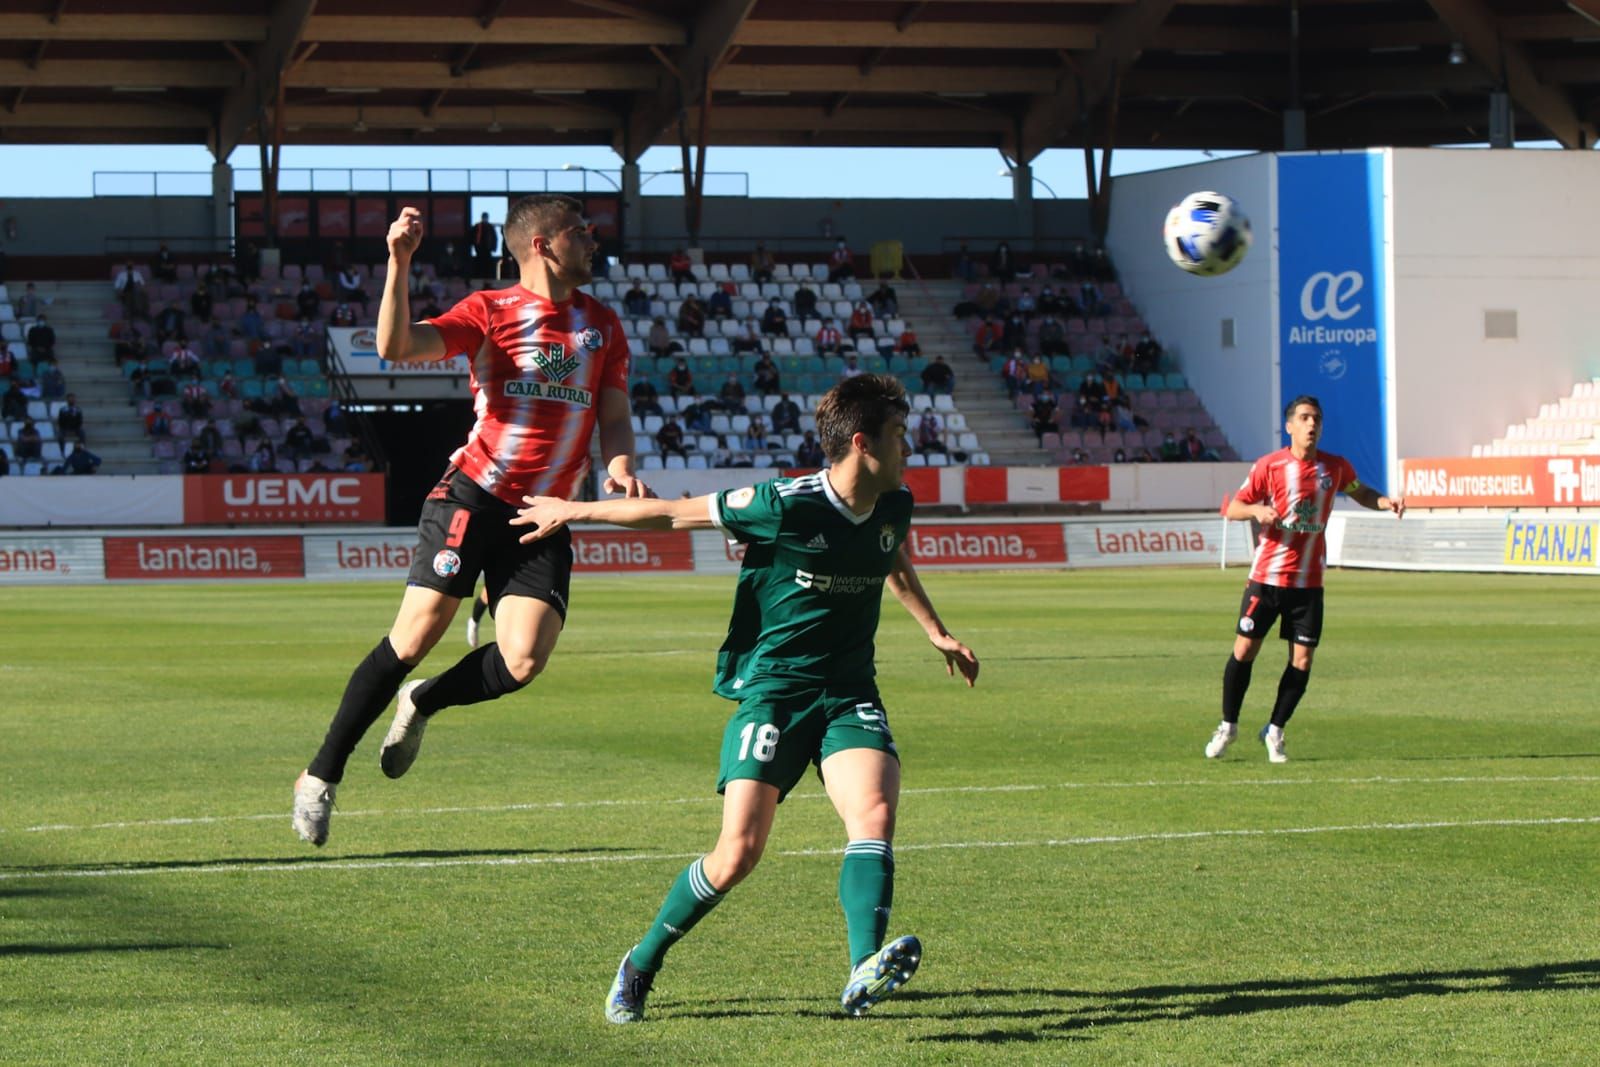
{"points": [[271, 57], [1474, 25], [706, 44]]}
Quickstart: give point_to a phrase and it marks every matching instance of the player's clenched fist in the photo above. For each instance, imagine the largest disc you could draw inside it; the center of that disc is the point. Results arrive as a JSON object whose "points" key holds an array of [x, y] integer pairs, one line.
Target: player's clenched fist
{"points": [[405, 233]]}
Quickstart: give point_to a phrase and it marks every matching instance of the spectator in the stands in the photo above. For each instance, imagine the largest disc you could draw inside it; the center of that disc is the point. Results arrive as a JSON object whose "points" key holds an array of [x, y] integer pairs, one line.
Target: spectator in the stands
{"points": [[929, 434], [680, 380], [829, 341], [309, 339], [636, 301], [8, 363], [131, 291], [749, 340], [285, 401], [52, 385], [28, 304], [966, 269], [691, 317], [1026, 305], [209, 438], [451, 264], [646, 400], [217, 340], [349, 286], [805, 301], [1014, 334], [264, 460], [1001, 264], [1144, 456], [1194, 450], [731, 395], [765, 377], [194, 399], [810, 453], [484, 240], [227, 387], [885, 304], [659, 340], [343, 315], [938, 377], [306, 301], [201, 305], [130, 342], [298, 440], [183, 360], [69, 420], [195, 459], [79, 461], [333, 418], [1043, 416], [14, 403], [1147, 355], [355, 459], [29, 442], [755, 437], [762, 265], [267, 358], [906, 344], [696, 412], [719, 305], [140, 374], [774, 320], [860, 324], [1049, 303], [165, 267], [1039, 378], [215, 284], [1105, 355], [841, 262], [41, 342], [669, 438], [250, 325], [851, 368], [680, 266], [169, 322], [1052, 339], [785, 415], [156, 424], [430, 307], [989, 338], [1171, 450]]}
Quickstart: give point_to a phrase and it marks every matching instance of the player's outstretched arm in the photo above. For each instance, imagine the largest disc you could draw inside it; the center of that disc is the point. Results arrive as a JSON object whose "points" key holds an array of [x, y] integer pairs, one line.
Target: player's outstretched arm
{"points": [[1372, 500], [547, 514], [1239, 511], [907, 588], [399, 339], [616, 445]]}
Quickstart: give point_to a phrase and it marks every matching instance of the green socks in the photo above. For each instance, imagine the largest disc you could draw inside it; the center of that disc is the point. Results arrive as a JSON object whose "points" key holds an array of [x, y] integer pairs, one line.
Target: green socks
{"points": [[689, 900], [866, 891]]}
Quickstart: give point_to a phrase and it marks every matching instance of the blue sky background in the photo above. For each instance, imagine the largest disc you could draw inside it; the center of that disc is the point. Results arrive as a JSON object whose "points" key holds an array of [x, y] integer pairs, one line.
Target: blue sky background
{"points": [[69, 170]]}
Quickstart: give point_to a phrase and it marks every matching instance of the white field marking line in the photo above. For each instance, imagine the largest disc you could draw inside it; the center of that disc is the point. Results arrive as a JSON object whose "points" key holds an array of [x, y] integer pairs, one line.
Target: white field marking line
{"points": [[291, 866], [559, 805]]}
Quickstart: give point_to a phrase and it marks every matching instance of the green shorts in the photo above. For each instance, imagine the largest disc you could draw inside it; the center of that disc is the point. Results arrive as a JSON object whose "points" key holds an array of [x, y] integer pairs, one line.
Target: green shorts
{"points": [[780, 729]]}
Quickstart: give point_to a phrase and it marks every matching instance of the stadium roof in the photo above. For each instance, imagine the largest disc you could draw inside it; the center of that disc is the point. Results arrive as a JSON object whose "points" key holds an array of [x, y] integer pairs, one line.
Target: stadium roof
{"points": [[1016, 75]]}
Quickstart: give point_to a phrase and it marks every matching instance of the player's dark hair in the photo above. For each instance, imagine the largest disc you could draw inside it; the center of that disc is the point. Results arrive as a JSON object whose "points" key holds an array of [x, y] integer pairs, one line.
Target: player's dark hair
{"points": [[863, 404], [1303, 398], [537, 214]]}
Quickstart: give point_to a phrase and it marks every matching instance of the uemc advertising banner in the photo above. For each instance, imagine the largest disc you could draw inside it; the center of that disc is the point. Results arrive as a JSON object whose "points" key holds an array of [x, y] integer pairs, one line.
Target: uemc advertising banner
{"points": [[1502, 482], [265, 499], [1333, 287], [357, 350]]}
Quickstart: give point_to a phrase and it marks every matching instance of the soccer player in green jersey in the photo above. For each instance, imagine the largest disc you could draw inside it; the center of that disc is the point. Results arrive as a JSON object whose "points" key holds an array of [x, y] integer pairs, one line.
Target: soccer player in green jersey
{"points": [[799, 660]]}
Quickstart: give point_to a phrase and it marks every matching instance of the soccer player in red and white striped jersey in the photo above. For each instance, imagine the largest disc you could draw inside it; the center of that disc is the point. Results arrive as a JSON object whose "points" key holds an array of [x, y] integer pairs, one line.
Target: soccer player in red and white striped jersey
{"points": [[549, 364], [1290, 493]]}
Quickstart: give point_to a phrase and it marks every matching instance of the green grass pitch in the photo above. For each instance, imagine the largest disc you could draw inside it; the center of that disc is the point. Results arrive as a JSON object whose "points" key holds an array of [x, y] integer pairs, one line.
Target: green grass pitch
{"points": [[1419, 884]]}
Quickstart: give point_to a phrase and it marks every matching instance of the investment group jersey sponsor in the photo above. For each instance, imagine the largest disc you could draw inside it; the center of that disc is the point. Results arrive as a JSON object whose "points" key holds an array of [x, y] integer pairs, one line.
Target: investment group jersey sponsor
{"points": [[806, 606], [538, 369], [1291, 554]]}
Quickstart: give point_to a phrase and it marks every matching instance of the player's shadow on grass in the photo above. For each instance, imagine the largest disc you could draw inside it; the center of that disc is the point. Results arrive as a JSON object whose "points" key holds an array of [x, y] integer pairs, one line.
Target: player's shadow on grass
{"points": [[1498, 757], [37, 949], [1084, 1009], [231, 862]]}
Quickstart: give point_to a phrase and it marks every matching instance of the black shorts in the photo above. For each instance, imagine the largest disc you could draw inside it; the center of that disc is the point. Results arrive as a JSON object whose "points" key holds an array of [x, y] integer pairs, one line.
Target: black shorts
{"points": [[1300, 609], [466, 531]]}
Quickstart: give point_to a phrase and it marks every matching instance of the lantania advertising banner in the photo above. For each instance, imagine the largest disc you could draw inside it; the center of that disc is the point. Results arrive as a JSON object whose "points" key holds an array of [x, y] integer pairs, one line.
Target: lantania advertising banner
{"points": [[1333, 287]]}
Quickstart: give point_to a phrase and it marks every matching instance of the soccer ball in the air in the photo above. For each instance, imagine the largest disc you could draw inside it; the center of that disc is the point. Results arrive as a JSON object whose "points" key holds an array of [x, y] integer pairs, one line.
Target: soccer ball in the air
{"points": [[1206, 234]]}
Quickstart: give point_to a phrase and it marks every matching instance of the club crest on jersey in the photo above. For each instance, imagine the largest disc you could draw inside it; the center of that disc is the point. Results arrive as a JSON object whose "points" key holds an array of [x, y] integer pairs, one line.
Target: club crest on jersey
{"points": [[446, 564], [1325, 481], [553, 360], [590, 339], [886, 537]]}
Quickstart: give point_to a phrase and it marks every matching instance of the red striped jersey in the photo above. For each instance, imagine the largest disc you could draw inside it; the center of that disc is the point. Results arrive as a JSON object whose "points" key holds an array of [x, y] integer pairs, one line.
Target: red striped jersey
{"points": [[538, 369], [1291, 554]]}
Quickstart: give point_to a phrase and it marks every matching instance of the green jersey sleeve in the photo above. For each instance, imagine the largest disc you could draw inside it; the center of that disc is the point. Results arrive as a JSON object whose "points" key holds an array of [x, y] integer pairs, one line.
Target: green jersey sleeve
{"points": [[751, 515]]}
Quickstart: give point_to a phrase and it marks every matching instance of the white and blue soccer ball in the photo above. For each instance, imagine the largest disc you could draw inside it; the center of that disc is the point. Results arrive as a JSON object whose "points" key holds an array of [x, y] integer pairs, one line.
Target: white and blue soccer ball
{"points": [[1206, 234]]}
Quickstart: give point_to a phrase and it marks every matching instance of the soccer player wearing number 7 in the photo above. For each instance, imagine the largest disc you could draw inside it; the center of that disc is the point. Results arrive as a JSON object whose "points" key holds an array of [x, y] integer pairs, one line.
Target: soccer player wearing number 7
{"points": [[799, 660], [1290, 493]]}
